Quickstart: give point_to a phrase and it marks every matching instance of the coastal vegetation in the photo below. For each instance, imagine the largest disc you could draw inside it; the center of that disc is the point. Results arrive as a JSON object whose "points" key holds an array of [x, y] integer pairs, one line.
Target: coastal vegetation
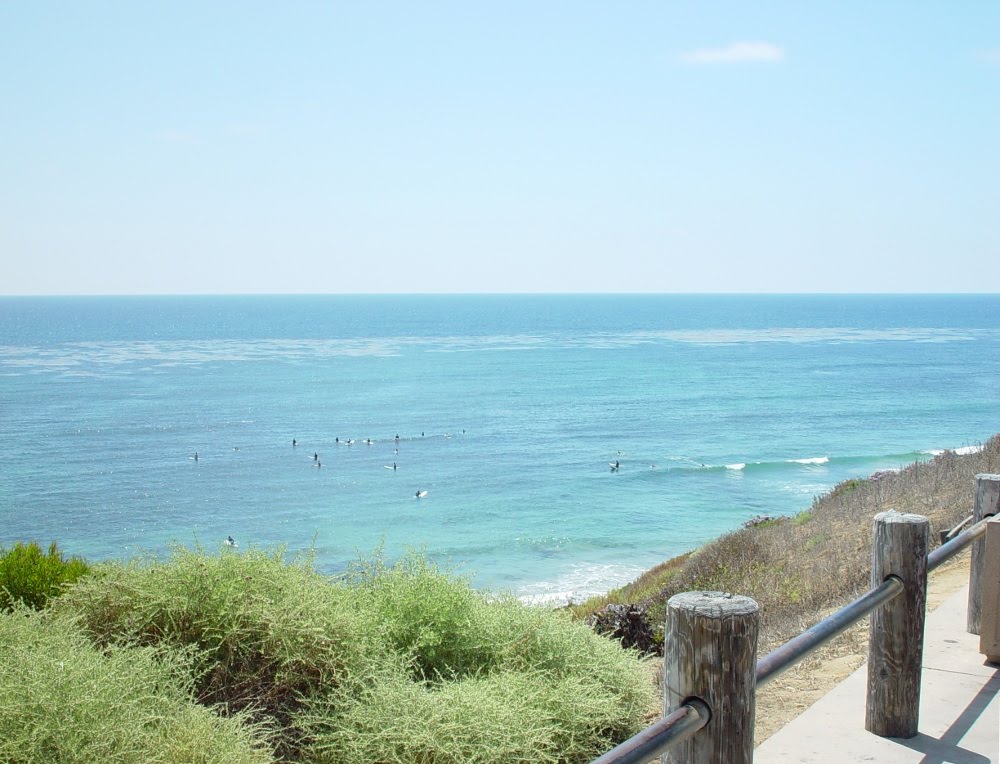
{"points": [[244, 656], [31, 576], [800, 567], [65, 699]]}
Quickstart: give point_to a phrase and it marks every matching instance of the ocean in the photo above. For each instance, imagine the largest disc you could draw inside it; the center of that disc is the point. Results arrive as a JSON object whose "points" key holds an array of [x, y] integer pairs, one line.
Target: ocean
{"points": [[509, 410]]}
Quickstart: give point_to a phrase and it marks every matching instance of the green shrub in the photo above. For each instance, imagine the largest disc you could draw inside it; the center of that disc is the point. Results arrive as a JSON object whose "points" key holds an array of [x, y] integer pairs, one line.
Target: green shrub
{"points": [[63, 701], [491, 679], [427, 616], [845, 487], [352, 670], [31, 576], [499, 718], [267, 633]]}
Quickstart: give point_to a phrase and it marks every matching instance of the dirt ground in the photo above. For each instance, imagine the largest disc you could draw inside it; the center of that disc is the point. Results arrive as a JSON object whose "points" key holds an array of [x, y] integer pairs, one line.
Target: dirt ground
{"points": [[796, 689]]}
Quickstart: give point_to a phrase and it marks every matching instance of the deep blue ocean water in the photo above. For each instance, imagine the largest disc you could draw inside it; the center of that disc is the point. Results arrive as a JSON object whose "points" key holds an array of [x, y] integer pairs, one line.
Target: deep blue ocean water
{"points": [[509, 411]]}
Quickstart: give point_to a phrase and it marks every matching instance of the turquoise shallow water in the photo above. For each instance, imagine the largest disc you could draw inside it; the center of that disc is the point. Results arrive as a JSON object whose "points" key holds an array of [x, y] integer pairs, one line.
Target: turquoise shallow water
{"points": [[509, 411]]}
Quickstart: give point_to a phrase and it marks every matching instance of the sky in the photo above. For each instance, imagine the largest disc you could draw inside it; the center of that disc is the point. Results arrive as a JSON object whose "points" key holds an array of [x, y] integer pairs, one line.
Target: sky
{"points": [[440, 147]]}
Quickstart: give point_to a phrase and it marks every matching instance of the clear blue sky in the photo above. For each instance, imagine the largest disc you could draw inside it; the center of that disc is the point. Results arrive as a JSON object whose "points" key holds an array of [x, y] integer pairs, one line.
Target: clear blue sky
{"points": [[182, 147]]}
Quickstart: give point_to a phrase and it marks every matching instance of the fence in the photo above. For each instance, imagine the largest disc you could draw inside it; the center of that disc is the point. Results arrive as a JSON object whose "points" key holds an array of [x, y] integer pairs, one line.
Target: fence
{"points": [[710, 643]]}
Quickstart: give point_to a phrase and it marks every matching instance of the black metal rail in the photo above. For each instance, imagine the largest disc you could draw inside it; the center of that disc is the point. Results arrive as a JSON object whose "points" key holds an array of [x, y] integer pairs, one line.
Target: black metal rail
{"points": [[695, 714]]}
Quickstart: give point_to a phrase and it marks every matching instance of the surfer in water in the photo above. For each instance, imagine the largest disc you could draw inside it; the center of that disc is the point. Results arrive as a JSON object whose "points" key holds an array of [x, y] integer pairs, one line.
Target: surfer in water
{"points": [[294, 443], [615, 466], [230, 541], [196, 456], [315, 457]]}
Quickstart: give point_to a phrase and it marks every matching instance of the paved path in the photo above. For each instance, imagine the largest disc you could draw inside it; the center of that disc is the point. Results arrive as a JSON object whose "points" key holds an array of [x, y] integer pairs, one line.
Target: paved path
{"points": [[959, 709]]}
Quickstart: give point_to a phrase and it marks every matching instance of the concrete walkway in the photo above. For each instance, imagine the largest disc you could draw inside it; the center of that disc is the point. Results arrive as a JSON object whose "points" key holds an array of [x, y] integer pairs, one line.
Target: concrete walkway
{"points": [[959, 708]]}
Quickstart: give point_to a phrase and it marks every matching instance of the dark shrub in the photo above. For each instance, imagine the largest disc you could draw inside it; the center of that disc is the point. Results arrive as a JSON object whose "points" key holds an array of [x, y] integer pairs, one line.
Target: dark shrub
{"points": [[31, 576]]}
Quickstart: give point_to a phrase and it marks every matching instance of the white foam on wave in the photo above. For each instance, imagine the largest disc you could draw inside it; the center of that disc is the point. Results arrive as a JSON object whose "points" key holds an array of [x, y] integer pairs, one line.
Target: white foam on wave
{"points": [[966, 450], [166, 353], [794, 335], [811, 460], [737, 466], [961, 451], [579, 583]]}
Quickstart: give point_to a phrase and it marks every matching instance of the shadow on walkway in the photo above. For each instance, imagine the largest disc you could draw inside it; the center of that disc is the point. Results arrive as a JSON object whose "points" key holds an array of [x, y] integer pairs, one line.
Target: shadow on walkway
{"points": [[946, 749]]}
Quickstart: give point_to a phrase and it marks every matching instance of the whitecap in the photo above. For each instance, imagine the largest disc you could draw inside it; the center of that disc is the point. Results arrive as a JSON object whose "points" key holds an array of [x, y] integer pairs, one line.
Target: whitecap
{"points": [[578, 584], [966, 450], [797, 335], [962, 451], [737, 466], [812, 460]]}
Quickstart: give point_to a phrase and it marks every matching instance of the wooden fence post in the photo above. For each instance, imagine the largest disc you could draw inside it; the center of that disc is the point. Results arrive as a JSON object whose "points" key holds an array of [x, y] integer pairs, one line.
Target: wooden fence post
{"points": [[896, 638], [987, 503], [711, 654], [989, 636]]}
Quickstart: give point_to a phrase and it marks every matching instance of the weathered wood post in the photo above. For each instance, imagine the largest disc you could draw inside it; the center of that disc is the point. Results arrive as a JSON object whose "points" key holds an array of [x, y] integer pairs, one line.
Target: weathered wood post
{"points": [[989, 636], [896, 637], [711, 654], [987, 503]]}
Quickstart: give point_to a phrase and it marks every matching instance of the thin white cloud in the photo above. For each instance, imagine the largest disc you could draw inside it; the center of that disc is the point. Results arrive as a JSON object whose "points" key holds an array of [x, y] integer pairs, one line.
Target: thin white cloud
{"points": [[737, 53], [990, 56]]}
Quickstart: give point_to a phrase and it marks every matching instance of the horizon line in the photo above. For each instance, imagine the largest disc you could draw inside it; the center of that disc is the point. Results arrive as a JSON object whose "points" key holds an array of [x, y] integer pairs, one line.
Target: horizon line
{"points": [[501, 294]]}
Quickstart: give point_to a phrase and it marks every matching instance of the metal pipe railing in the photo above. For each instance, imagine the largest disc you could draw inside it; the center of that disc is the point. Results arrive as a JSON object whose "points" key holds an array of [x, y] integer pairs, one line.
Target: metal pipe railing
{"points": [[660, 736], [948, 550], [813, 638], [950, 534]]}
